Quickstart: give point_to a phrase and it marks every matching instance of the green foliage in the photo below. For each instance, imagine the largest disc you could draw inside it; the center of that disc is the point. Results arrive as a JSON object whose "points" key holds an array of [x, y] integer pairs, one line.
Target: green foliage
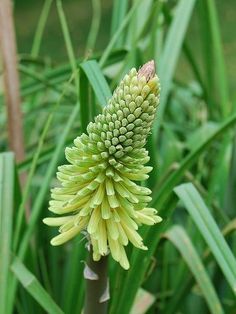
{"points": [[32, 285], [7, 190], [190, 265]]}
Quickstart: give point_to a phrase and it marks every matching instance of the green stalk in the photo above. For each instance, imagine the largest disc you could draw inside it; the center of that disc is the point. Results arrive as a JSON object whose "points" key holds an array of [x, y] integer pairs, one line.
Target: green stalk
{"points": [[40, 28], [97, 290]]}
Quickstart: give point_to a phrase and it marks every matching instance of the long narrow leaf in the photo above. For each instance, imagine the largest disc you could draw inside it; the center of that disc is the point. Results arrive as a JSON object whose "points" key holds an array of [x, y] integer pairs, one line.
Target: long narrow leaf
{"points": [[44, 188], [181, 241], [216, 58], [40, 28], [33, 286], [74, 284], [118, 14], [6, 216], [170, 54], [93, 33], [42, 192], [164, 196], [188, 282], [68, 42], [209, 230], [118, 33], [97, 81]]}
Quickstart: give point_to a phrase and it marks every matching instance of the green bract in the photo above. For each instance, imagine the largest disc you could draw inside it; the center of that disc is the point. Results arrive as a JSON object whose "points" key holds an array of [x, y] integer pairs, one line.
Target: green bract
{"points": [[97, 192]]}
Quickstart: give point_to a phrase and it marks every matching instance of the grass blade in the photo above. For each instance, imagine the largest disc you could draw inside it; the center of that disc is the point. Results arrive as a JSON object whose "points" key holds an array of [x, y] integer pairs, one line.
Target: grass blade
{"points": [[93, 33], [21, 210], [188, 283], [42, 192], [215, 62], [40, 28], [7, 168], [92, 74], [85, 101], [181, 241], [163, 199], [44, 188], [33, 286], [118, 14], [55, 76], [97, 81], [162, 195], [209, 230], [33, 165], [133, 279], [170, 55], [118, 33], [74, 284], [68, 42], [44, 81]]}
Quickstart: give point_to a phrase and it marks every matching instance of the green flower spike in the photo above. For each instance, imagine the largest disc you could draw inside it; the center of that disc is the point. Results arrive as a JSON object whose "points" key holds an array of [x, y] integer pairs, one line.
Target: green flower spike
{"points": [[98, 193]]}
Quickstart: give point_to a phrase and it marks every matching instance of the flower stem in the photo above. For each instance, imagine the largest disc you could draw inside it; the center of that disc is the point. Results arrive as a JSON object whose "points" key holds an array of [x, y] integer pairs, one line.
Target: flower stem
{"points": [[97, 290]]}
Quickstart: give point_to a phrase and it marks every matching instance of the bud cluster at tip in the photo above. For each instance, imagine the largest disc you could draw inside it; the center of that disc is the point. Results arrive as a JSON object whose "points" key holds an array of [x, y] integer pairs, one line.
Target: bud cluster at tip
{"points": [[97, 187], [127, 119]]}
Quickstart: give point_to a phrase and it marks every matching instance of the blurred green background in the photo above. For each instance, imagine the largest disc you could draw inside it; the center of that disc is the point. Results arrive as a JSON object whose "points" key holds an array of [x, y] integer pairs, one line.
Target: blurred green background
{"points": [[79, 13]]}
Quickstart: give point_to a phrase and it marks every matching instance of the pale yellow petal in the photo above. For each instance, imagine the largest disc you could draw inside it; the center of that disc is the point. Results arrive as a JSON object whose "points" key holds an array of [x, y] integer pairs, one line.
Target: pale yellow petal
{"points": [[65, 236], [56, 221]]}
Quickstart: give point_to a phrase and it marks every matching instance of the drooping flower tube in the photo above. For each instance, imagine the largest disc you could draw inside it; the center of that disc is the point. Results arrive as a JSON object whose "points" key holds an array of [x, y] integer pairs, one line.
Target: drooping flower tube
{"points": [[98, 190]]}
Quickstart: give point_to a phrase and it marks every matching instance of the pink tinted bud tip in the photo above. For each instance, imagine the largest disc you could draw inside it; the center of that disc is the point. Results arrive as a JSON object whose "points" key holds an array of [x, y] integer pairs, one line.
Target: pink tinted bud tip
{"points": [[148, 70]]}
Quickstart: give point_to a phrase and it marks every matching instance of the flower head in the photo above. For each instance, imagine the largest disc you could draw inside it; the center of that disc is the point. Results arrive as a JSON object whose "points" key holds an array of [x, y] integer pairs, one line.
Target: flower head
{"points": [[98, 191]]}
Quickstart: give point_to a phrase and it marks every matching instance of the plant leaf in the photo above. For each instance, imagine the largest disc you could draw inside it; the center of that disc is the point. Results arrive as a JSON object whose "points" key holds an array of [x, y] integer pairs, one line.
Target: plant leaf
{"points": [[170, 55], [7, 168], [181, 241], [33, 286], [209, 230], [97, 81]]}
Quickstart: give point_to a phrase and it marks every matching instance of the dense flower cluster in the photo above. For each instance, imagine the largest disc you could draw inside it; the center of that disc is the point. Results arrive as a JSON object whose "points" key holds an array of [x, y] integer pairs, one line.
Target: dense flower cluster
{"points": [[98, 192]]}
